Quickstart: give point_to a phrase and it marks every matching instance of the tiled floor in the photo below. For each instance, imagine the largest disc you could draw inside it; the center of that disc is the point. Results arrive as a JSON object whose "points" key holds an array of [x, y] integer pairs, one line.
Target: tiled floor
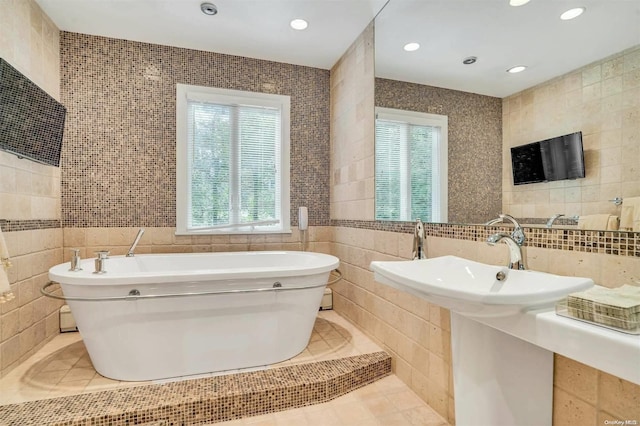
{"points": [[63, 368], [386, 402]]}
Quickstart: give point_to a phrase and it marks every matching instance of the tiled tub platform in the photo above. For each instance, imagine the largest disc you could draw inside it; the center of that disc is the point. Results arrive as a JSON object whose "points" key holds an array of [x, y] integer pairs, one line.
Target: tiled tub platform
{"points": [[206, 400], [58, 385]]}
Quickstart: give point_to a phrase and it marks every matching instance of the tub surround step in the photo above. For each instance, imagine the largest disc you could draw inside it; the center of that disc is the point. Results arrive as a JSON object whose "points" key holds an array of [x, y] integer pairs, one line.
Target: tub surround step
{"points": [[207, 400]]}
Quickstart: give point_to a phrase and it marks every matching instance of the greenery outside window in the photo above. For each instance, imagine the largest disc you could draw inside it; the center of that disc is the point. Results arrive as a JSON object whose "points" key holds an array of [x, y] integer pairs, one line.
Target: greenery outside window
{"points": [[410, 166], [232, 161]]}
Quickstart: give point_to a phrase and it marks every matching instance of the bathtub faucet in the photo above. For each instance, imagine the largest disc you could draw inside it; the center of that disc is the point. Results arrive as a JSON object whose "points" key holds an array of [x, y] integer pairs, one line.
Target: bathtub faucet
{"points": [[419, 246], [135, 243]]}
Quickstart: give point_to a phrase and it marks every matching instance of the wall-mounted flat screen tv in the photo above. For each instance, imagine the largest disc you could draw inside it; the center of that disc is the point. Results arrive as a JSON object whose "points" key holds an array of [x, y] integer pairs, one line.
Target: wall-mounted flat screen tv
{"points": [[31, 121], [552, 159]]}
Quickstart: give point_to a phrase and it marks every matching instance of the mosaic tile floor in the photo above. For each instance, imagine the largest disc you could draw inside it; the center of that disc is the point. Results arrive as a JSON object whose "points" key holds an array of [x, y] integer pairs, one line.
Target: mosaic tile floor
{"points": [[63, 368]]}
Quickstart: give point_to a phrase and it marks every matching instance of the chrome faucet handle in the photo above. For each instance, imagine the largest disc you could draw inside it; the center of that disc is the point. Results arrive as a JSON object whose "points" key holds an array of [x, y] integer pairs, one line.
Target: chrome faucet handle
{"points": [[75, 260], [100, 261], [103, 254]]}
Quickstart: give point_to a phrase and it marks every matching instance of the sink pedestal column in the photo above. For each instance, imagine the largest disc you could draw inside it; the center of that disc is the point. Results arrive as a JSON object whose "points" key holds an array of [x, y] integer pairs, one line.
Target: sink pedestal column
{"points": [[499, 379]]}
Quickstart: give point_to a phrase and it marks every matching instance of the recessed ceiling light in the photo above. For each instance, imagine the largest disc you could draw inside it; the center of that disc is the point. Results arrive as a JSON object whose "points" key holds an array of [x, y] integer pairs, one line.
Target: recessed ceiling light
{"points": [[208, 8], [410, 47], [470, 60], [572, 13], [516, 69], [299, 24], [517, 3]]}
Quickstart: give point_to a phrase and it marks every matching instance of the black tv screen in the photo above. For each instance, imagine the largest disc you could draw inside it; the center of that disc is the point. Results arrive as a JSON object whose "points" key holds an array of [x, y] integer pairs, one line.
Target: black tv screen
{"points": [[552, 159], [31, 121]]}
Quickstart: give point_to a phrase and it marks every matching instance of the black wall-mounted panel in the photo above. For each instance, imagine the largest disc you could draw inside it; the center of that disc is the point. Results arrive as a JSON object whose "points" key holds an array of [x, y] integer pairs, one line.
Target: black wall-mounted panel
{"points": [[31, 121]]}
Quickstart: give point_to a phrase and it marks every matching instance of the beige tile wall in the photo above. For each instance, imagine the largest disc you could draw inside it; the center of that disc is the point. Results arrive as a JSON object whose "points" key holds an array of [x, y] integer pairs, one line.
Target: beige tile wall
{"points": [[585, 396], [352, 131], [417, 334], [30, 320], [28, 190], [163, 240], [30, 42], [603, 101]]}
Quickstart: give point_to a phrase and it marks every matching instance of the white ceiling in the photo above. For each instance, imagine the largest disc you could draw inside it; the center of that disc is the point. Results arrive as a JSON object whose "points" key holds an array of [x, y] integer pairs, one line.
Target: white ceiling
{"points": [[449, 30], [251, 28], [501, 36]]}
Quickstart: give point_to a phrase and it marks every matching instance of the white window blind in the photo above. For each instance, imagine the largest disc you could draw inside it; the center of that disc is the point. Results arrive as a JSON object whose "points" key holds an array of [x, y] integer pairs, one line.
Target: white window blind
{"points": [[232, 161], [410, 164]]}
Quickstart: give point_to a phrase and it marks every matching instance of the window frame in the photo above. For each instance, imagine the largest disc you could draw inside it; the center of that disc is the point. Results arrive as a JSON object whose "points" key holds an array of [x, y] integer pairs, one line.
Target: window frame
{"points": [[185, 92], [440, 160]]}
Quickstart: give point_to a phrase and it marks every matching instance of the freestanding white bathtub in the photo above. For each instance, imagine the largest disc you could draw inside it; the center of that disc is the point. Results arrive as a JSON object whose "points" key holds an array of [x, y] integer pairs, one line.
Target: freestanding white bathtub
{"points": [[161, 316]]}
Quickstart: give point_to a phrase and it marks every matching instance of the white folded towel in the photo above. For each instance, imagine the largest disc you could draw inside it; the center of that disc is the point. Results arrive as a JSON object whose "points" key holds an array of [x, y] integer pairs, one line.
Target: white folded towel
{"points": [[630, 214], [601, 222], [5, 290]]}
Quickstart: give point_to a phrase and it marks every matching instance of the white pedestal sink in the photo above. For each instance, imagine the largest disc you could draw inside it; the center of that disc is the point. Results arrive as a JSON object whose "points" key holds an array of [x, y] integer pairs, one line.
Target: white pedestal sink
{"points": [[498, 379]]}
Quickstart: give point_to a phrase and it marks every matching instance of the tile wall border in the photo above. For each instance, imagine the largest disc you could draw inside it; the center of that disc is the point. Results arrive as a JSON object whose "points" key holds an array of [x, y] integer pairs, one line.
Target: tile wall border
{"points": [[619, 243], [9, 225]]}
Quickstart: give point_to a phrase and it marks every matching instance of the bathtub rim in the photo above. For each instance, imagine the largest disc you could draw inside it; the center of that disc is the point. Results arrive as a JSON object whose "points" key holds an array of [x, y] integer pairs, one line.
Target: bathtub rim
{"points": [[61, 274], [135, 295]]}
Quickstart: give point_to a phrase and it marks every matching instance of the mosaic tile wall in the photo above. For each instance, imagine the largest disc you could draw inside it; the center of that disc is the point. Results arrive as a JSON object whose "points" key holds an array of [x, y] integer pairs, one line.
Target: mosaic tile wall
{"points": [[118, 159], [602, 100], [475, 143]]}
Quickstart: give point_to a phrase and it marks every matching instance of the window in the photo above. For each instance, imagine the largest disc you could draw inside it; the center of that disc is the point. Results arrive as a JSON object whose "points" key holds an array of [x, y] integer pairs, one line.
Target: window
{"points": [[410, 166], [232, 158]]}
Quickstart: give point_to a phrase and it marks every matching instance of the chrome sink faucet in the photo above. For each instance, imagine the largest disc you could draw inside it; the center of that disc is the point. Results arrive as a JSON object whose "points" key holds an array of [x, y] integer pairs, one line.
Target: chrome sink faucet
{"points": [[515, 241], [419, 246], [135, 243], [516, 260], [553, 219], [518, 233], [556, 216]]}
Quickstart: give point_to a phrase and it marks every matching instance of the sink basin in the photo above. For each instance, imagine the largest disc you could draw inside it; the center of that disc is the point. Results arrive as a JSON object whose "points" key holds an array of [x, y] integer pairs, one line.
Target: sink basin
{"points": [[473, 289]]}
